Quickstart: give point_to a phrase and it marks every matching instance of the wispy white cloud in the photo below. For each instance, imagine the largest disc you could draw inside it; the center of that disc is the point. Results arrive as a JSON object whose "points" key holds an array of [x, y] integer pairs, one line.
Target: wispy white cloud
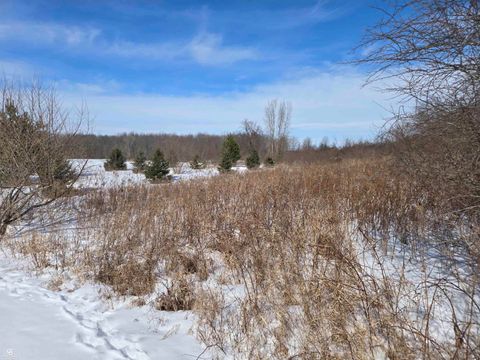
{"points": [[208, 49], [151, 51], [88, 88], [286, 18], [48, 33], [16, 69], [320, 11], [204, 48]]}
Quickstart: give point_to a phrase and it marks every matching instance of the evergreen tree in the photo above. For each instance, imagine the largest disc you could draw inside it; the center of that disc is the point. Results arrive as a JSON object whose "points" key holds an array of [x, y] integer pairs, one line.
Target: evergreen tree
{"points": [[225, 164], [230, 153], [116, 161], [269, 161], [253, 160], [140, 161], [64, 170], [158, 167], [57, 176], [38, 154], [195, 163]]}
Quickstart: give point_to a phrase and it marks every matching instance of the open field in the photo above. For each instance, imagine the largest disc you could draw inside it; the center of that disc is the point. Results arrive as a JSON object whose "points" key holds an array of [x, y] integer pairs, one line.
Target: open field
{"points": [[339, 260], [240, 180]]}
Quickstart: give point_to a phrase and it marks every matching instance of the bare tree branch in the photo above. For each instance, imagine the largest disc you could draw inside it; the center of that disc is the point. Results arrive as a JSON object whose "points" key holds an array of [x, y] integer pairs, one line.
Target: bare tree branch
{"points": [[35, 132]]}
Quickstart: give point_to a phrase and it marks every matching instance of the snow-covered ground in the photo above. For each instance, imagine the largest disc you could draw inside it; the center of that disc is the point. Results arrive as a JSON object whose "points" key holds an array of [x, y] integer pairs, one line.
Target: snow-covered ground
{"points": [[95, 176], [76, 322], [79, 320], [42, 318]]}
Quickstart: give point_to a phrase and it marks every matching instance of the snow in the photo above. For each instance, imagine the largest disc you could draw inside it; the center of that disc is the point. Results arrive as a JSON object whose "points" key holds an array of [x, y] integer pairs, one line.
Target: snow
{"points": [[185, 172], [82, 321], [95, 176], [77, 323]]}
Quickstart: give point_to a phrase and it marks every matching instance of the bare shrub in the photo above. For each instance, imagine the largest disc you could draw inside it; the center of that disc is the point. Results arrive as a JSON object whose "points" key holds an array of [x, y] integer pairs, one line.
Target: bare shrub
{"points": [[431, 48], [34, 134], [316, 261], [130, 277], [179, 295], [438, 148], [298, 267]]}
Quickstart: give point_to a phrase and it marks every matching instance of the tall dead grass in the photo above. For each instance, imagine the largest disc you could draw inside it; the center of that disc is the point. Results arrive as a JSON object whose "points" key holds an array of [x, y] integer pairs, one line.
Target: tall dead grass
{"points": [[298, 262]]}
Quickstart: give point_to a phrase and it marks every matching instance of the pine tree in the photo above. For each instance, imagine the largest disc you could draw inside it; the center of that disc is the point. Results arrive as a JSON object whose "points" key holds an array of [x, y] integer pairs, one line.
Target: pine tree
{"points": [[57, 176], [196, 163], [64, 170], [269, 161], [158, 167], [116, 161], [253, 160], [230, 153], [140, 161], [225, 164]]}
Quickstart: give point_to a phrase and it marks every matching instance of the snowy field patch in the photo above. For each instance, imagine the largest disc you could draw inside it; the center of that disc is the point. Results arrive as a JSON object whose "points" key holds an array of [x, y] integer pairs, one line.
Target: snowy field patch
{"points": [[76, 322], [95, 176]]}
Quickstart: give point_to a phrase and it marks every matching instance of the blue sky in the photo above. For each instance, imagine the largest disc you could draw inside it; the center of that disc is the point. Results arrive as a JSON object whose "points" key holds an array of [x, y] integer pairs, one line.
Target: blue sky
{"points": [[192, 66]]}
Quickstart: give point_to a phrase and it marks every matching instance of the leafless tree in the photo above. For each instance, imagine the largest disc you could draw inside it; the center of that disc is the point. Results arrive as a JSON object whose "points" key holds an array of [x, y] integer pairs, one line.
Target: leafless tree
{"points": [[307, 144], [277, 123], [253, 133], [430, 47], [270, 127], [34, 134]]}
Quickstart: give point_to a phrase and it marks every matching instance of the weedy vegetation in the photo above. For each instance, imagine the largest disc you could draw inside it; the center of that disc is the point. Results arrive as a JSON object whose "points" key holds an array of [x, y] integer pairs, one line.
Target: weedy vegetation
{"points": [[366, 252], [335, 260]]}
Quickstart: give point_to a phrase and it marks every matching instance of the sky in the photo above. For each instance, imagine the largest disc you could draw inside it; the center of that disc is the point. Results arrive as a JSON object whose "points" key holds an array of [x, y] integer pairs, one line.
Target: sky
{"points": [[199, 66]]}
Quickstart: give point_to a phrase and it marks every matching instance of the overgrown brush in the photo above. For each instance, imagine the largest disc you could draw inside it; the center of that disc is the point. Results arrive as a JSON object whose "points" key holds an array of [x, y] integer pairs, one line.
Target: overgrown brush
{"points": [[292, 262]]}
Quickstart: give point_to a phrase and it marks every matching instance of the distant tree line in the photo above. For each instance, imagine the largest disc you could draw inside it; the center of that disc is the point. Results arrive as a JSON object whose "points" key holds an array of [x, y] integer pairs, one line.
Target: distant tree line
{"points": [[309, 153], [175, 147], [205, 147], [268, 144]]}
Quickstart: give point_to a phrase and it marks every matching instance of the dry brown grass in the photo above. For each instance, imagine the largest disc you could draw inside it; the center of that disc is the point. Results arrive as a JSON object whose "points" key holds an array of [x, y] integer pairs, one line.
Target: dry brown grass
{"points": [[292, 262]]}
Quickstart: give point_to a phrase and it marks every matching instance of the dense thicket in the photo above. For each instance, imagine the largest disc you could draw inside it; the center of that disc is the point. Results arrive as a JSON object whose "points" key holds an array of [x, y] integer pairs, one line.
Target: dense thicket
{"points": [[34, 170], [431, 48], [313, 247]]}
